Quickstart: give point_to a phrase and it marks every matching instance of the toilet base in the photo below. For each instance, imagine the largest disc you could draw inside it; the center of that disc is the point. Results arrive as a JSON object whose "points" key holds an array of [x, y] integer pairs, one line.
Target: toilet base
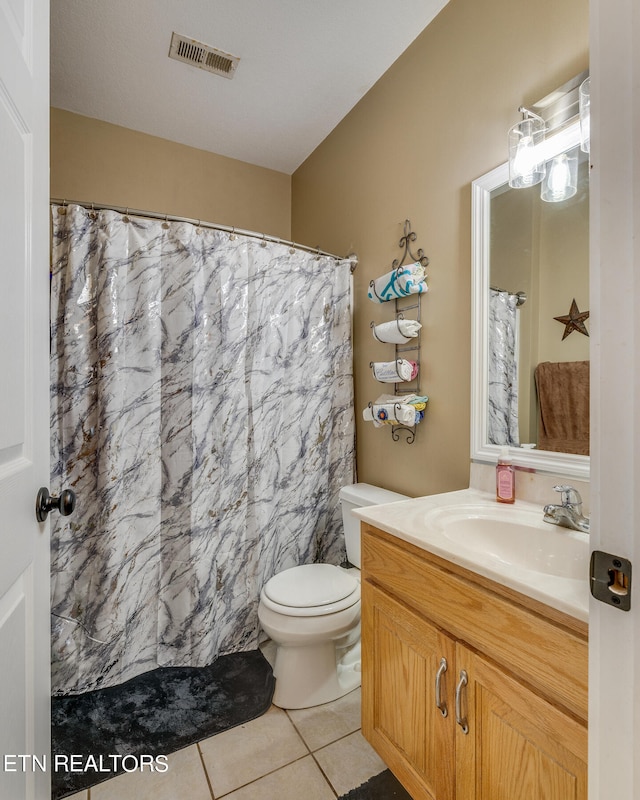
{"points": [[312, 676]]}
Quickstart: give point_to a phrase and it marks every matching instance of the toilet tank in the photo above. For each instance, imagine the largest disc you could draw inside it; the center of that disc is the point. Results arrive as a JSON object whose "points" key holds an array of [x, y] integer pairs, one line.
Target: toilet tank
{"points": [[356, 496]]}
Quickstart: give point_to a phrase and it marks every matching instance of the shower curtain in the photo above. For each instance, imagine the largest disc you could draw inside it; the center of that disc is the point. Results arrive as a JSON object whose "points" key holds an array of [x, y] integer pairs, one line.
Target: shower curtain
{"points": [[202, 411], [503, 369]]}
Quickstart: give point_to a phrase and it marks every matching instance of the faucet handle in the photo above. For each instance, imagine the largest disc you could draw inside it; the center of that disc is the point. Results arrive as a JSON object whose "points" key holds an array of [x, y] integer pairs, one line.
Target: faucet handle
{"points": [[569, 495]]}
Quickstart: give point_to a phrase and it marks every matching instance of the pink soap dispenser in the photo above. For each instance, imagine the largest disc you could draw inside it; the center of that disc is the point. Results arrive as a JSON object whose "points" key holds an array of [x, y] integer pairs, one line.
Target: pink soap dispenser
{"points": [[505, 478]]}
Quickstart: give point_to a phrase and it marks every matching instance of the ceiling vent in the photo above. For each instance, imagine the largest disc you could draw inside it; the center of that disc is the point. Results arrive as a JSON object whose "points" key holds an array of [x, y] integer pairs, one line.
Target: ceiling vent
{"points": [[202, 56]]}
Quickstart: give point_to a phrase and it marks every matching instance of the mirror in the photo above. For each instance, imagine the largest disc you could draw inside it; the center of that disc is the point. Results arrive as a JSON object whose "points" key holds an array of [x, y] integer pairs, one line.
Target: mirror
{"points": [[521, 244]]}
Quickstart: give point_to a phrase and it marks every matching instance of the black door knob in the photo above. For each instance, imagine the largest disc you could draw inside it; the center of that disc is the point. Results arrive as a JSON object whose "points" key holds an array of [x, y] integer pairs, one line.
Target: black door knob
{"points": [[65, 502]]}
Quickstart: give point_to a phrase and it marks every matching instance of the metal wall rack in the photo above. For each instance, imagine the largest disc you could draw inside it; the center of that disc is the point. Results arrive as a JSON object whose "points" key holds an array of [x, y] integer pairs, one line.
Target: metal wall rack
{"points": [[408, 307]]}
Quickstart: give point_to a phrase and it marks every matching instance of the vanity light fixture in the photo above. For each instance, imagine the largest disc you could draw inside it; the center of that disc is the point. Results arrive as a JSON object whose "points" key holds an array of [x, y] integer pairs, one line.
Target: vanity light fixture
{"points": [[528, 150], [585, 115], [525, 139], [561, 181]]}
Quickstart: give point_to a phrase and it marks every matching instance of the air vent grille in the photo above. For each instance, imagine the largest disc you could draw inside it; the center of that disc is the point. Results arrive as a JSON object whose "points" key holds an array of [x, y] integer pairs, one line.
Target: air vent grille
{"points": [[203, 56]]}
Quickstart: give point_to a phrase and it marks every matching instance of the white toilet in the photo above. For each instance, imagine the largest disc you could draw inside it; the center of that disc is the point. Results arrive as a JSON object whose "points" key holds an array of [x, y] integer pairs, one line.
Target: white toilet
{"points": [[312, 614]]}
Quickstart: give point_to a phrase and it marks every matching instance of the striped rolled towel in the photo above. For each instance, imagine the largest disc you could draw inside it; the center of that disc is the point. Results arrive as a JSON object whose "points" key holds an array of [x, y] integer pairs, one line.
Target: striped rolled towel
{"points": [[400, 282]]}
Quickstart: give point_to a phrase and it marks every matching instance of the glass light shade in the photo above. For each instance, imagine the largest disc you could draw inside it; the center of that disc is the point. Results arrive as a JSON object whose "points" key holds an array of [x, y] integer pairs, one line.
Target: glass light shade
{"points": [[561, 180], [525, 165], [585, 115]]}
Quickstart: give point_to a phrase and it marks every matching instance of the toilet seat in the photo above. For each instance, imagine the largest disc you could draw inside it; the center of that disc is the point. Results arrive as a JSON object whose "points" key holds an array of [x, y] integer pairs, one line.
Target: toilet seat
{"points": [[311, 590]]}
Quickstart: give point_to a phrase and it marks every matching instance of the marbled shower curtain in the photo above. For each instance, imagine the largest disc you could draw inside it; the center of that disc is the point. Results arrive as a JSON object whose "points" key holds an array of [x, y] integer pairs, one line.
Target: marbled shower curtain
{"points": [[202, 410], [503, 426]]}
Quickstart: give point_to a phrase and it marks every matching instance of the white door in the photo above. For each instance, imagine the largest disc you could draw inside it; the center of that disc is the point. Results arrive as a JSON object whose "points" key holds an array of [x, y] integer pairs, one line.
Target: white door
{"points": [[614, 636], [24, 399]]}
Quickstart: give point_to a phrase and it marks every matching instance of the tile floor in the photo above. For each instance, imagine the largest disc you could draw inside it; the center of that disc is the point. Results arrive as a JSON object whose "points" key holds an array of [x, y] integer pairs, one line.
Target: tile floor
{"points": [[316, 754]]}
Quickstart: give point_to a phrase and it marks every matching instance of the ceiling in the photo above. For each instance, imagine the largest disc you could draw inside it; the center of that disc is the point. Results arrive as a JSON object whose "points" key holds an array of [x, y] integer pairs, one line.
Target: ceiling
{"points": [[303, 65]]}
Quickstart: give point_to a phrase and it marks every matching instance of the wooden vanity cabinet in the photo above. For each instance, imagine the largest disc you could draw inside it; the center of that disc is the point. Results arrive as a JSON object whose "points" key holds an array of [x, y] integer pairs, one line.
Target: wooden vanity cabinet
{"points": [[525, 698], [401, 655]]}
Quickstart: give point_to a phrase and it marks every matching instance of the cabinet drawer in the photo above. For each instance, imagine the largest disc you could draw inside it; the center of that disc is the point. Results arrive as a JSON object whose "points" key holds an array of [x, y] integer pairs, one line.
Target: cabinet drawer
{"points": [[551, 658]]}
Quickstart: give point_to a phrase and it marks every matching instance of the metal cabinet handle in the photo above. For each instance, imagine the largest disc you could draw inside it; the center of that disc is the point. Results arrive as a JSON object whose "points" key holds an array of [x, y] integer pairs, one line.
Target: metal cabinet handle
{"points": [[440, 703], [460, 719]]}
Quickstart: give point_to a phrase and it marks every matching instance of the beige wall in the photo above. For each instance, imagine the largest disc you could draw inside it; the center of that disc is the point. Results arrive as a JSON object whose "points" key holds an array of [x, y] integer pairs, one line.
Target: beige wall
{"points": [[94, 161], [434, 122]]}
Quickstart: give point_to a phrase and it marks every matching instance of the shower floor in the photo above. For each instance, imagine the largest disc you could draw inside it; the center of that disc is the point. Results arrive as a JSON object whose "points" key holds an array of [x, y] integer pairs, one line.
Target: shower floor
{"points": [[315, 754]]}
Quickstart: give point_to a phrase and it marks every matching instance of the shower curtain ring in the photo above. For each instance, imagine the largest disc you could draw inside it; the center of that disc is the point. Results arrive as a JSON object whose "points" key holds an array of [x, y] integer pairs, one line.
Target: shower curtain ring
{"points": [[126, 215], [198, 228], [165, 224], [232, 235], [263, 243], [292, 249]]}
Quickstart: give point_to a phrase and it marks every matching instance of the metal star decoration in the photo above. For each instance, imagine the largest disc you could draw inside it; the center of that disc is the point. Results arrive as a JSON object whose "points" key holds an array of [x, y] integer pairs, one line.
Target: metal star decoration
{"points": [[574, 320]]}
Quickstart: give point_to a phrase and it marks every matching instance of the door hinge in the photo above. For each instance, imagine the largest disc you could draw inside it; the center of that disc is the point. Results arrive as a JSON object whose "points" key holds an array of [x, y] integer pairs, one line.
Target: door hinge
{"points": [[610, 579]]}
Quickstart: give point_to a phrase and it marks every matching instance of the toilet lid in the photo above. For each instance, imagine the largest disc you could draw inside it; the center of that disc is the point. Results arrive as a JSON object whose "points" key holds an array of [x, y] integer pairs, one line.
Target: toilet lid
{"points": [[310, 585]]}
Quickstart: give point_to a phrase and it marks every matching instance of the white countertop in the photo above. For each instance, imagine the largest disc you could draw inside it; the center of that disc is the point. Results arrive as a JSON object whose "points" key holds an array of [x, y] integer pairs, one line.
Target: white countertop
{"points": [[538, 566]]}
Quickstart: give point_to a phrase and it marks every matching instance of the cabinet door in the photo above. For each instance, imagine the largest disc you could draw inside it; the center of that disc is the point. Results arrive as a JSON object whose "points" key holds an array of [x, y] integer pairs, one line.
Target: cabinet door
{"points": [[518, 744], [401, 654]]}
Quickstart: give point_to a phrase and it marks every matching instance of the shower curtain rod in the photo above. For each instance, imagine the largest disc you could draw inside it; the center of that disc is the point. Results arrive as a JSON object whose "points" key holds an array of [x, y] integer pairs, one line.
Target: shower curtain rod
{"points": [[521, 297], [212, 226]]}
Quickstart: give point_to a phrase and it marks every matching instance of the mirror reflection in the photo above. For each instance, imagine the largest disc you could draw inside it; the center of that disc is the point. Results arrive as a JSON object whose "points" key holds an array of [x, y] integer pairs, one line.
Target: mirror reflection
{"points": [[538, 358]]}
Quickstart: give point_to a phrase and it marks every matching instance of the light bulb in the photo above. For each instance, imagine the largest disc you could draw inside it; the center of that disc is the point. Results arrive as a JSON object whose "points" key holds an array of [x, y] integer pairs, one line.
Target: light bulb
{"points": [[561, 180], [525, 167], [559, 174], [524, 162]]}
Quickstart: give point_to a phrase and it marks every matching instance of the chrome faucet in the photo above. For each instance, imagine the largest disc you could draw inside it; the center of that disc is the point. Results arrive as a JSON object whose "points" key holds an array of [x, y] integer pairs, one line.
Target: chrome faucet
{"points": [[569, 512]]}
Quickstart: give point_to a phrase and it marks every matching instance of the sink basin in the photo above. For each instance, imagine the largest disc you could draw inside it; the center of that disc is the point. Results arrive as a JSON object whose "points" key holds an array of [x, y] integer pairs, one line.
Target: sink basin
{"points": [[514, 537], [508, 544]]}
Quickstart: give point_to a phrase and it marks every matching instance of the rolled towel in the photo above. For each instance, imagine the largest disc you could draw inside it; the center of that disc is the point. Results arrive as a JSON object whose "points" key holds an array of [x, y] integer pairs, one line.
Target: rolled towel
{"points": [[416, 401], [399, 331], [419, 401], [390, 414], [393, 371], [404, 409], [414, 370], [400, 282]]}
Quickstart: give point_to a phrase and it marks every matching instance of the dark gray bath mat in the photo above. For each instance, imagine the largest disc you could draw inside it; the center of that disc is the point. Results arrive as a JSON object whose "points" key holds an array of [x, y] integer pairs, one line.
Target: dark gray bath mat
{"points": [[155, 714], [384, 786]]}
